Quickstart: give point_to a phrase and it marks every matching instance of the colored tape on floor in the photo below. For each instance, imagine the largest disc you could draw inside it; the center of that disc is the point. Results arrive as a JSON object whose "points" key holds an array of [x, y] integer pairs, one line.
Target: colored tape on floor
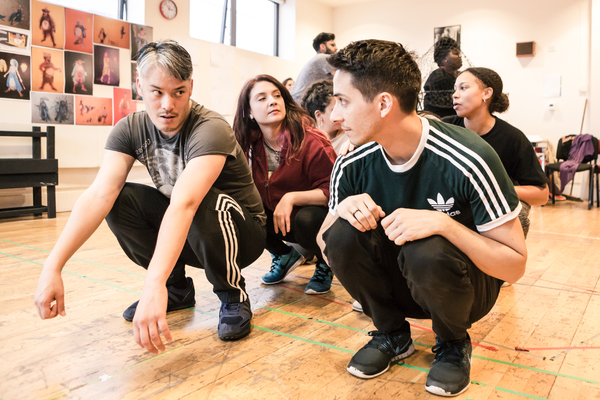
{"points": [[331, 346]]}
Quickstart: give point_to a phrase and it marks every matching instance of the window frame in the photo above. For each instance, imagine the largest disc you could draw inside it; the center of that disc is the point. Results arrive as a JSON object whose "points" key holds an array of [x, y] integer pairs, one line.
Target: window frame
{"points": [[229, 8]]}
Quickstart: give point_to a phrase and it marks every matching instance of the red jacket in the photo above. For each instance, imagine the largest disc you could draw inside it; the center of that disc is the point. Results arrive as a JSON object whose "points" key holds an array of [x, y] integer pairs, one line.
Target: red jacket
{"points": [[309, 169]]}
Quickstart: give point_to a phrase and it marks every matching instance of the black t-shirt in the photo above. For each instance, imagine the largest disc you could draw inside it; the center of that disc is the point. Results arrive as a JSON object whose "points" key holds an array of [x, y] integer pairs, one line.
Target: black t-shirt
{"points": [[515, 151]]}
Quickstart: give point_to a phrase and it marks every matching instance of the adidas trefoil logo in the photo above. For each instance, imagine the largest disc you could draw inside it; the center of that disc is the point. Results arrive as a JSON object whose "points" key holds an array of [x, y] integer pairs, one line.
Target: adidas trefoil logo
{"points": [[443, 205]]}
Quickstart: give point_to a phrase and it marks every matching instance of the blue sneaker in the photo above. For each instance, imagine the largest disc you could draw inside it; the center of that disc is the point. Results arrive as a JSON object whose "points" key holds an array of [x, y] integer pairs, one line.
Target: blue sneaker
{"points": [[321, 281], [281, 266]]}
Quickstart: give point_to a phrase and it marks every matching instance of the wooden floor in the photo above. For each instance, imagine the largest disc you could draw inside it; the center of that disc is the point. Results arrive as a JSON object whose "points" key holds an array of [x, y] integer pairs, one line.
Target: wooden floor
{"points": [[541, 340]]}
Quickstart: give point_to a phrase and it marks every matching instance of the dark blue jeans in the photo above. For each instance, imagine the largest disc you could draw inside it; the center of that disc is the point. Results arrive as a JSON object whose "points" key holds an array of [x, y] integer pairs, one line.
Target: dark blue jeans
{"points": [[425, 279], [223, 237]]}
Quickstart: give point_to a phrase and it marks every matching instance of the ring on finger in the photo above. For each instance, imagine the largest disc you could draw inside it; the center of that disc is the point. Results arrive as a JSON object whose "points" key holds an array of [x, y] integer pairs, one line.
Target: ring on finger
{"points": [[354, 213]]}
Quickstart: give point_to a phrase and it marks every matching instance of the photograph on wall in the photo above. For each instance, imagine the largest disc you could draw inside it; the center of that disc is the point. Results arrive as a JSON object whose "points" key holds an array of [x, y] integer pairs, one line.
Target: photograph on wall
{"points": [[48, 25], [52, 108], [106, 66], [14, 41], [123, 104], [15, 82], [111, 32], [134, 92], [47, 74], [79, 73], [447, 31], [140, 36], [93, 110], [78, 28], [15, 13]]}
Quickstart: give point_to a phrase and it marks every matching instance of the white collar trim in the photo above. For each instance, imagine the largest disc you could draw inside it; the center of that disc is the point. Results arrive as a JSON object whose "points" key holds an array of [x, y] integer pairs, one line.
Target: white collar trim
{"points": [[415, 157]]}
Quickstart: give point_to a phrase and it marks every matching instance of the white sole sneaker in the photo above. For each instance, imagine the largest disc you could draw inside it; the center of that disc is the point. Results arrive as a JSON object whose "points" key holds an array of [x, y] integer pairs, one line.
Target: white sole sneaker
{"points": [[356, 306]]}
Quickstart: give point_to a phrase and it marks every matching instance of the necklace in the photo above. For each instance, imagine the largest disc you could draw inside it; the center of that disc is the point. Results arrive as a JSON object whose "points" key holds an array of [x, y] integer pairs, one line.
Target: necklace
{"points": [[275, 153]]}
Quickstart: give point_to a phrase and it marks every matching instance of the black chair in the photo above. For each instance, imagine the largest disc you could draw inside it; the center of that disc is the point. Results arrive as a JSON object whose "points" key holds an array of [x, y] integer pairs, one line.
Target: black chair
{"points": [[589, 164], [33, 172], [597, 173]]}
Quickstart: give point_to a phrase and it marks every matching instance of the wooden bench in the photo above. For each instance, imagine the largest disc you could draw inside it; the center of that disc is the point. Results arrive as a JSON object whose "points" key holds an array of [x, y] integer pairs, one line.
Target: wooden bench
{"points": [[33, 172]]}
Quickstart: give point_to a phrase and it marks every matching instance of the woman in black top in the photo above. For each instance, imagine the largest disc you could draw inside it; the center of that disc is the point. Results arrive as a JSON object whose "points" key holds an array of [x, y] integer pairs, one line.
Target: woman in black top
{"points": [[478, 94]]}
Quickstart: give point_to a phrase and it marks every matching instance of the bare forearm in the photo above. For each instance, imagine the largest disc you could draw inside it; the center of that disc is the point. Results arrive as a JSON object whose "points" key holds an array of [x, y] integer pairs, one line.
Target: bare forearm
{"points": [[504, 261], [329, 220], [533, 195], [89, 211], [172, 236], [189, 191]]}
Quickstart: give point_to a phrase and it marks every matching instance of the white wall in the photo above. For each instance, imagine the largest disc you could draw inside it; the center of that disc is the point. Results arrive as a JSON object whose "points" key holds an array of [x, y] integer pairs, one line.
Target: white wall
{"points": [[79, 149], [490, 31], [566, 33]]}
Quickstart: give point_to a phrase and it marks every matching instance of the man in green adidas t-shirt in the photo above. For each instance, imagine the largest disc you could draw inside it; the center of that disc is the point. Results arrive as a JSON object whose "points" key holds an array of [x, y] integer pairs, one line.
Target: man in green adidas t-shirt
{"points": [[423, 218]]}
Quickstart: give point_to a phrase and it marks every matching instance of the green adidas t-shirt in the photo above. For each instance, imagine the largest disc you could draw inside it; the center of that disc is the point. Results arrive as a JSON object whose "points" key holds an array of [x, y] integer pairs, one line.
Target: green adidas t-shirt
{"points": [[453, 171]]}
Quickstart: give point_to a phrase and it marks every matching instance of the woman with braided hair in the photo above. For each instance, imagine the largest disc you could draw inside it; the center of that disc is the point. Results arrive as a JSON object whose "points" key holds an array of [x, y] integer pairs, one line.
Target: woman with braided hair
{"points": [[477, 96], [440, 83]]}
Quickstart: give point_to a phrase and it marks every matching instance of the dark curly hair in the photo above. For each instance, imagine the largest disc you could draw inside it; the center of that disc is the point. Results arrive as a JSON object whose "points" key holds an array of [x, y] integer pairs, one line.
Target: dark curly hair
{"points": [[322, 38], [318, 97], [247, 130], [442, 48], [380, 66], [489, 78]]}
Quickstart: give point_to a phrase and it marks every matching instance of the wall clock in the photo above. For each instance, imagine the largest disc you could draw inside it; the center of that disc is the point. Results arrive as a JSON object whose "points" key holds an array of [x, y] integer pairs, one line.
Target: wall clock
{"points": [[168, 9]]}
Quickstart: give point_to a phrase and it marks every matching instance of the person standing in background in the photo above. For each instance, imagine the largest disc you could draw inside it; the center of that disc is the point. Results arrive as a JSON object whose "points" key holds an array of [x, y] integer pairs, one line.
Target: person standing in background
{"points": [[317, 68]]}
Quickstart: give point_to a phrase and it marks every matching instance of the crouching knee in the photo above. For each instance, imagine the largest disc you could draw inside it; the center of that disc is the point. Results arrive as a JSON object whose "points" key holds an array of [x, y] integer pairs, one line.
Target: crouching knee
{"points": [[432, 262]]}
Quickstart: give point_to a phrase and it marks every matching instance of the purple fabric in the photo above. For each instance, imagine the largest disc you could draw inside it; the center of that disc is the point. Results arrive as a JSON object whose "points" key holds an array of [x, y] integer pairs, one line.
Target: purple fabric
{"points": [[582, 146]]}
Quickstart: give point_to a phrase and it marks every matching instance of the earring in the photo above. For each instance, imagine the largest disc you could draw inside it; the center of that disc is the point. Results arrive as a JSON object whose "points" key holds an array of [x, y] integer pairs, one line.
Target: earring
{"points": [[484, 100], [321, 124]]}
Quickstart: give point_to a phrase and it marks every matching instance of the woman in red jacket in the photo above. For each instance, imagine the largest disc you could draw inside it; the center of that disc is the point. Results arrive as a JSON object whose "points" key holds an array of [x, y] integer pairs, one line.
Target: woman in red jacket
{"points": [[291, 164]]}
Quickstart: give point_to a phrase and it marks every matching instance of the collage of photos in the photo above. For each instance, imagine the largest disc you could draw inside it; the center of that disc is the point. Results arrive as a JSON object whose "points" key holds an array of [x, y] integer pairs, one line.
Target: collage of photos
{"points": [[53, 56]]}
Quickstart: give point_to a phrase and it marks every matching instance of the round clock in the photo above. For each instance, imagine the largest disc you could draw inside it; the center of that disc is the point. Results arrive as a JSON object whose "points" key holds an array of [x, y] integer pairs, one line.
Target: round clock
{"points": [[168, 9]]}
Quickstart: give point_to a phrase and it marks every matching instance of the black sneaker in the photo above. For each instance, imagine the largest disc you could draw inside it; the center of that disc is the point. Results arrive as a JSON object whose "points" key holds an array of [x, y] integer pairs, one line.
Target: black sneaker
{"points": [[377, 355], [234, 320], [178, 300], [450, 373]]}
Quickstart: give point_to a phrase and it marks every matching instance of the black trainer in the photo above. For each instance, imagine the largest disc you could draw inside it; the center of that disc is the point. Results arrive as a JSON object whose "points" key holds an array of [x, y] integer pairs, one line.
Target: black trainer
{"points": [[450, 373], [234, 320], [178, 300], [377, 355]]}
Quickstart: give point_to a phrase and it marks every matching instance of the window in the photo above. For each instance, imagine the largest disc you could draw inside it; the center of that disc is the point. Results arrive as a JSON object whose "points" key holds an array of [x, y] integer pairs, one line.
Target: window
{"points": [[247, 24]]}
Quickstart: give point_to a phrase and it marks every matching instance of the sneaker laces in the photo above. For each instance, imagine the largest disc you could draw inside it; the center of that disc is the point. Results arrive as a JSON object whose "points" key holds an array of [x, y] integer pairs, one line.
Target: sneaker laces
{"points": [[321, 272], [275, 263], [385, 341], [450, 351], [232, 306]]}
